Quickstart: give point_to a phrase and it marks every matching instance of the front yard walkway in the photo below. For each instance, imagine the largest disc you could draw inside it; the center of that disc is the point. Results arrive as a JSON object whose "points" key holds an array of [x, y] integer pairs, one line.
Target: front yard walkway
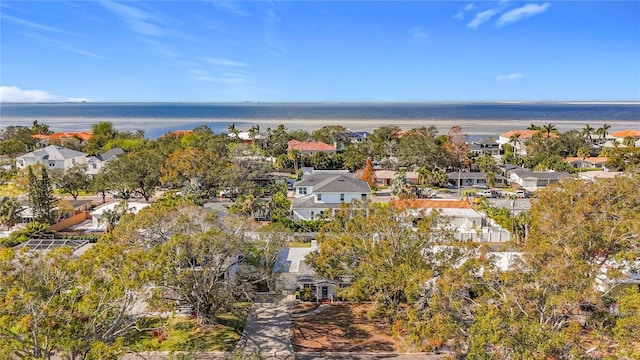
{"points": [[267, 331]]}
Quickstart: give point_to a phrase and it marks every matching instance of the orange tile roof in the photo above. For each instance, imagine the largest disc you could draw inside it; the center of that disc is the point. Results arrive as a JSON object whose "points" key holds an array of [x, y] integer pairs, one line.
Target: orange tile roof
{"points": [[309, 146], [431, 204], [85, 135], [524, 134], [625, 133]]}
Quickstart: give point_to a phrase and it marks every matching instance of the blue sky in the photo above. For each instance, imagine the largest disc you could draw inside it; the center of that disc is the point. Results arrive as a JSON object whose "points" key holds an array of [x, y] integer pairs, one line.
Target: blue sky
{"points": [[320, 51]]}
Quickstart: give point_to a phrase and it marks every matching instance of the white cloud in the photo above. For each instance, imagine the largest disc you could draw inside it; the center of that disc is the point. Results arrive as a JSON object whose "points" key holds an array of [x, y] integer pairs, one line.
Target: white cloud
{"points": [[226, 62], [224, 77], [521, 13], [418, 33], [32, 25], [230, 6], [77, 100], [15, 94], [510, 77], [469, 6], [65, 46], [459, 16], [138, 20], [481, 18]]}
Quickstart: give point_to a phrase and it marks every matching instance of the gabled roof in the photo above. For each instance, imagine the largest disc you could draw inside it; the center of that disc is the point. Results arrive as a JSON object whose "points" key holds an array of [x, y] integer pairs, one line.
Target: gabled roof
{"points": [[337, 183], [55, 152], [525, 134], [106, 156], [309, 146]]}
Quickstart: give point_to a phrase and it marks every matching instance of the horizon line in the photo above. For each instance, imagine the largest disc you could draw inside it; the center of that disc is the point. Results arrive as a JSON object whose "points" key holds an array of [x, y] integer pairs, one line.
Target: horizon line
{"points": [[333, 102]]}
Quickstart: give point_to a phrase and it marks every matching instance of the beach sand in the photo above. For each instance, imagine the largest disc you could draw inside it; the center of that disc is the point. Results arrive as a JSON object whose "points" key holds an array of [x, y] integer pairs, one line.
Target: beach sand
{"points": [[155, 127]]}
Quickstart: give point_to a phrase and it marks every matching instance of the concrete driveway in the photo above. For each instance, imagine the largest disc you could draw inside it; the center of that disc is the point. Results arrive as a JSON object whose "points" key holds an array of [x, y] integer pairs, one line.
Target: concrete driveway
{"points": [[267, 332]]}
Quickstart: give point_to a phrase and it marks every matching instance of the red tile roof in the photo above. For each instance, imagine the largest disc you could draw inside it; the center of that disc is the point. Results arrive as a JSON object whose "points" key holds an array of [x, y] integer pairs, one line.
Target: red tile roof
{"points": [[309, 146]]}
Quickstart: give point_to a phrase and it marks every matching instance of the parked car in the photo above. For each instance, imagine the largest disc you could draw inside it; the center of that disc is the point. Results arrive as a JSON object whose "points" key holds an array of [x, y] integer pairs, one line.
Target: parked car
{"points": [[423, 193], [488, 193], [522, 193]]}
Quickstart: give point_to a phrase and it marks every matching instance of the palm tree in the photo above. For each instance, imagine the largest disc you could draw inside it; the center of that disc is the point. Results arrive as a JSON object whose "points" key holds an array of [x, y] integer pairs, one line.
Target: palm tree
{"points": [[424, 175], [603, 131], [583, 153], [548, 129], [514, 139], [253, 132], [9, 211], [534, 127], [587, 130], [294, 156], [233, 130]]}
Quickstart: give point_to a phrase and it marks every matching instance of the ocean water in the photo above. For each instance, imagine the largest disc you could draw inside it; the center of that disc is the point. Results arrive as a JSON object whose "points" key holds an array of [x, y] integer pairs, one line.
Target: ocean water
{"points": [[475, 118]]}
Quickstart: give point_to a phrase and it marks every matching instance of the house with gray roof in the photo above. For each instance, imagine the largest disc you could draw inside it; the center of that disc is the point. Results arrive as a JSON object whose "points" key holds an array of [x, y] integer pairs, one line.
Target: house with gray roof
{"points": [[294, 275], [319, 192], [52, 157], [96, 163], [473, 179]]}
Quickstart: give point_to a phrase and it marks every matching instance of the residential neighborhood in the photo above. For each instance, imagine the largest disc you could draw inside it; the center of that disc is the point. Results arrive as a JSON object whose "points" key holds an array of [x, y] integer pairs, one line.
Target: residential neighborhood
{"points": [[205, 226]]}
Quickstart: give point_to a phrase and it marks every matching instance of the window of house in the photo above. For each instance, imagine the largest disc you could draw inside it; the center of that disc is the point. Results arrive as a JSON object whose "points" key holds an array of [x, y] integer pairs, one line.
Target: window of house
{"points": [[312, 215], [52, 163], [73, 161], [94, 165], [341, 197], [302, 191], [319, 196], [363, 197]]}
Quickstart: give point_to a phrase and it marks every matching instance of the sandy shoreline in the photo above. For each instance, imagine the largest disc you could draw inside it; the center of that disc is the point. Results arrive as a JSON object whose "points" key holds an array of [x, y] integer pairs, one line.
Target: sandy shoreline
{"points": [[154, 127]]}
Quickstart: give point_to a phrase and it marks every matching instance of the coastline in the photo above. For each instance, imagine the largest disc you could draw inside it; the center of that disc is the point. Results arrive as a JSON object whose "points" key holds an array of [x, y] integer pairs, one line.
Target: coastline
{"points": [[155, 127]]}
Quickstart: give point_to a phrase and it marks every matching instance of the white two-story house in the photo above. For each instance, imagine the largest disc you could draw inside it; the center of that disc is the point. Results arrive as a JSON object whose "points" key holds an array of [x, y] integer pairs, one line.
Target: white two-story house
{"points": [[318, 193], [52, 157]]}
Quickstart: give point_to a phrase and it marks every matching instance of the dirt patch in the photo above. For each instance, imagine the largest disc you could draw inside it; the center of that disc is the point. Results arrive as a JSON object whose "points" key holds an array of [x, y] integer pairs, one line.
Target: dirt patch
{"points": [[342, 328]]}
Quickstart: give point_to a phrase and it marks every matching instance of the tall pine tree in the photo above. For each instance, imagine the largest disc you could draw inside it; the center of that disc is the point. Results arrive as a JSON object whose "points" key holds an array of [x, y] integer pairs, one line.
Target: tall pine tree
{"points": [[368, 174], [41, 197]]}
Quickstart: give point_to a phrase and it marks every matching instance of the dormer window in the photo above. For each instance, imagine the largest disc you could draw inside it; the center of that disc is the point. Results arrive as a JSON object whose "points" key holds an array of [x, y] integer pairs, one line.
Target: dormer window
{"points": [[302, 191]]}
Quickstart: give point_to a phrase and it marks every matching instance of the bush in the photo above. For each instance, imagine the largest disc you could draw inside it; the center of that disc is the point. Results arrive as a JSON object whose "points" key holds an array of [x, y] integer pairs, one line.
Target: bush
{"points": [[19, 236]]}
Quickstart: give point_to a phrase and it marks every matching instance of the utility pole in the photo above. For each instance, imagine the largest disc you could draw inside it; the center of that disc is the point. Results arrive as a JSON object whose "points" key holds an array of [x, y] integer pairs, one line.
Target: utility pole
{"points": [[459, 174]]}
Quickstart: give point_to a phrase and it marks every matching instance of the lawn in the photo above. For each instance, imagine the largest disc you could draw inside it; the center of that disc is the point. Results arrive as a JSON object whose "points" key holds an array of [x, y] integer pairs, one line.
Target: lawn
{"points": [[342, 328], [182, 334]]}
